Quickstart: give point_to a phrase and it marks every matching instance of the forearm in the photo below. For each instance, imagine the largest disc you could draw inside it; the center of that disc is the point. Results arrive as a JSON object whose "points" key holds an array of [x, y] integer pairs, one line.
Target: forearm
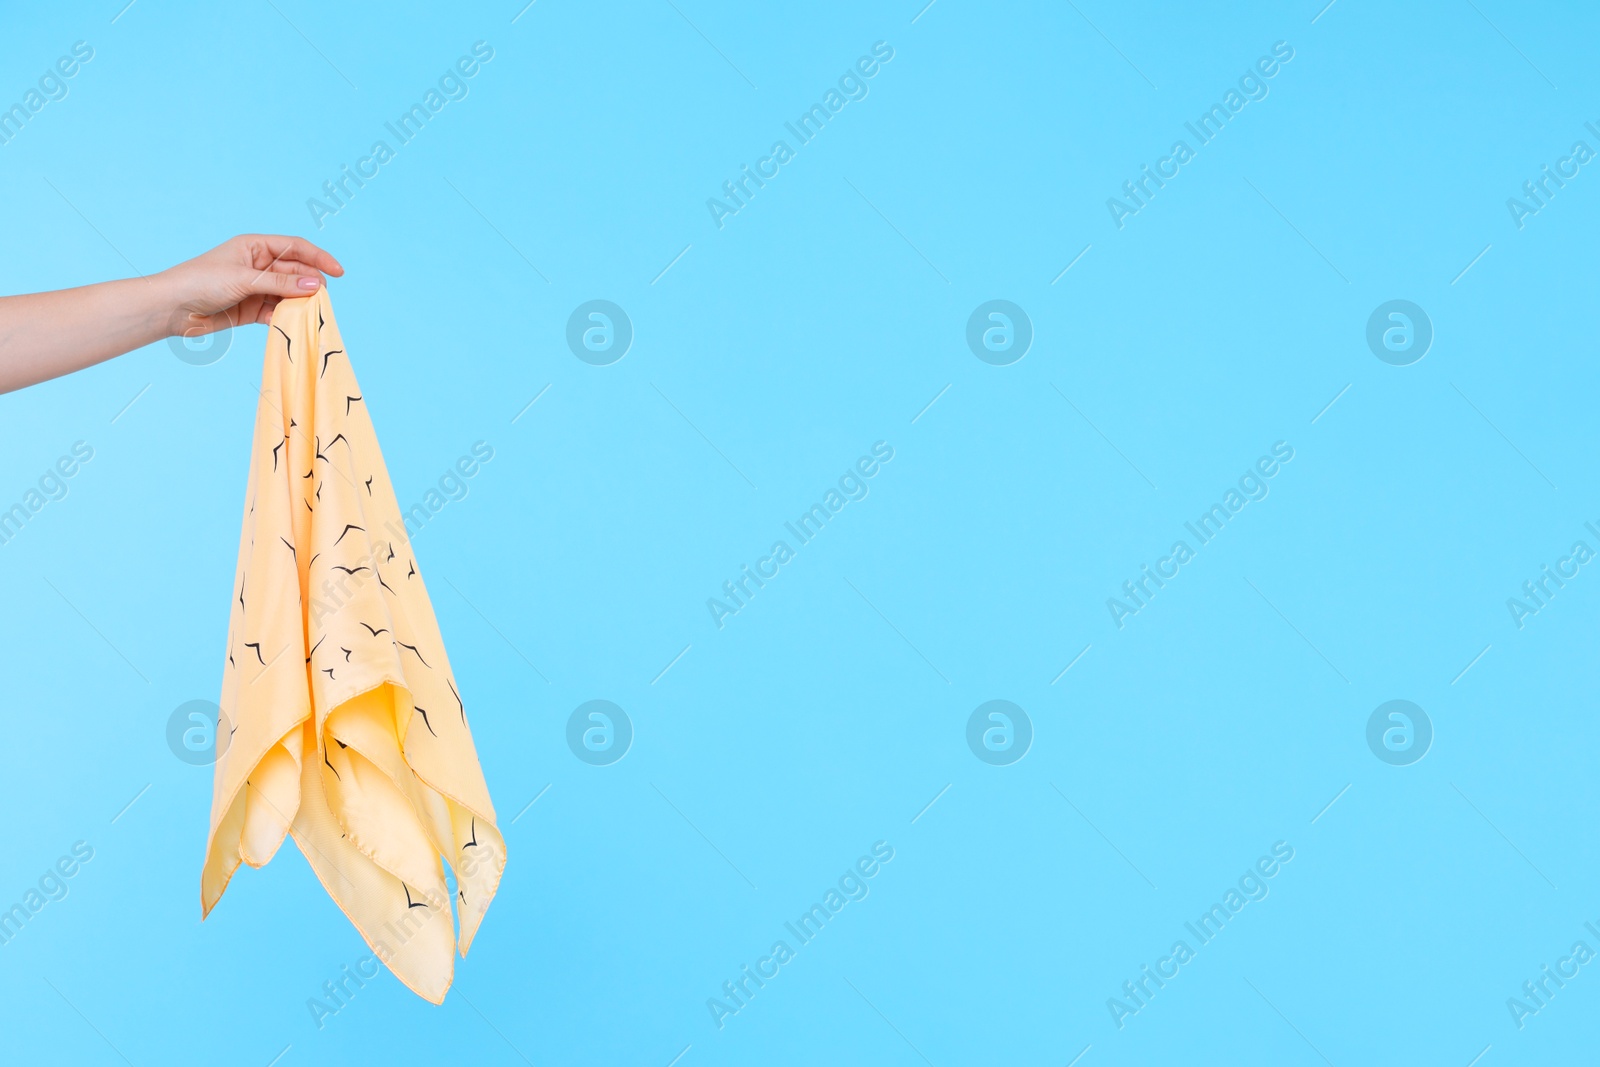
{"points": [[46, 335]]}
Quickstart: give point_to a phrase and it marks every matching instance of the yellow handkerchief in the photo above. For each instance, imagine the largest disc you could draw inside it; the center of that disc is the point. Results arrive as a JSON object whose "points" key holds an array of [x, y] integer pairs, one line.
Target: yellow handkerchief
{"points": [[341, 722]]}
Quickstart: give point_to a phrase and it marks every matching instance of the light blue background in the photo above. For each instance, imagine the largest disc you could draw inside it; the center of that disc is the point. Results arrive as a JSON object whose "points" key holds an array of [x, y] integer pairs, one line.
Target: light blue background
{"points": [[824, 717]]}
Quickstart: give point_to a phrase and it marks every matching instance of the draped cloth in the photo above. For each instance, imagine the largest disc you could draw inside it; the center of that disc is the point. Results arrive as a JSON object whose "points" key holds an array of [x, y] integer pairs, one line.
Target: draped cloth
{"points": [[341, 723]]}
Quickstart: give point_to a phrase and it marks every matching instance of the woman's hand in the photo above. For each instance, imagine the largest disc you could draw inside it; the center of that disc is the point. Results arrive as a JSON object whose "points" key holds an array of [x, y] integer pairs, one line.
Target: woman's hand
{"points": [[241, 281], [46, 335]]}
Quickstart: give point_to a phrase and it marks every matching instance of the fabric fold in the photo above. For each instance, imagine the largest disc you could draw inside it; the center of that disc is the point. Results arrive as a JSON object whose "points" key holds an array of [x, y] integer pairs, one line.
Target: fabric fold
{"points": [[342, 725]]}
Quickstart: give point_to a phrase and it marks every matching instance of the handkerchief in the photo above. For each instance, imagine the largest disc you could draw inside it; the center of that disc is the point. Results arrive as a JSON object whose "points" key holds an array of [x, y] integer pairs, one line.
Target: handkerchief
{"points": [[341, 722]]}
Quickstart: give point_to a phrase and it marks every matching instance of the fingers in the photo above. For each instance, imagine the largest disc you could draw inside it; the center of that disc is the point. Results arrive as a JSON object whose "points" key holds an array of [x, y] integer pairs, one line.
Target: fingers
{"points": [[279, 283], [264, 313], [286, 266], [252, 309], [278, 252]]}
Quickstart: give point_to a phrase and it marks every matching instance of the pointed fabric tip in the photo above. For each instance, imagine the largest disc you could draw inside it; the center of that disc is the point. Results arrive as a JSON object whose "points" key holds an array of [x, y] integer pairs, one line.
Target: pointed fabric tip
{"points": [[332, 655]]}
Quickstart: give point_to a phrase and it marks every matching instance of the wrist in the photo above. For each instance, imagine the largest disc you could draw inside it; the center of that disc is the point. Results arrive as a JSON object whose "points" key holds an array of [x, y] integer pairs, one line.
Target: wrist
{"points": [[162, 301]]}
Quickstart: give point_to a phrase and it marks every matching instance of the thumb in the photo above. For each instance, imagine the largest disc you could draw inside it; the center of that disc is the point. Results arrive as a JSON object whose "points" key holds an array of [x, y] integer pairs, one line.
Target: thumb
{"points": [[276, 283]]}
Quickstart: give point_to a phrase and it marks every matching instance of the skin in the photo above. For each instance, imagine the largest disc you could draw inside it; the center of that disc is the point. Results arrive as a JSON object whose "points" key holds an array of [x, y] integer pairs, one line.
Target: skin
{"points": [[46, 335]]}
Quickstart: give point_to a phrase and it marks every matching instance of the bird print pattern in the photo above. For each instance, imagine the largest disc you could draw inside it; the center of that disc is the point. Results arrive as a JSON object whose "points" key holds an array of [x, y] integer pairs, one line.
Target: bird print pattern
{"points": [[332, 745]]}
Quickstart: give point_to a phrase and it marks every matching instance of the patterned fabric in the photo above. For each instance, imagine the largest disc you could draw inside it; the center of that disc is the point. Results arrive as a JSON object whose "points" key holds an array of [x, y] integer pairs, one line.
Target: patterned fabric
{"points": [[341, 722]]}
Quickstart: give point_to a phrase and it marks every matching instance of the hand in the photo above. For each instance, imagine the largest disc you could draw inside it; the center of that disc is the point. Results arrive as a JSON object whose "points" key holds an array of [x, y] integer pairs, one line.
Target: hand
{"points": [[241, 281], [45, 335]]}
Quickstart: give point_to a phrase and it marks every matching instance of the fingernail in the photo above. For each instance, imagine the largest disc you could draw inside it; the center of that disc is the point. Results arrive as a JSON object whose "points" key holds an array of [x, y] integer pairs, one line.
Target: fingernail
{"points": [[310, 283]]}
